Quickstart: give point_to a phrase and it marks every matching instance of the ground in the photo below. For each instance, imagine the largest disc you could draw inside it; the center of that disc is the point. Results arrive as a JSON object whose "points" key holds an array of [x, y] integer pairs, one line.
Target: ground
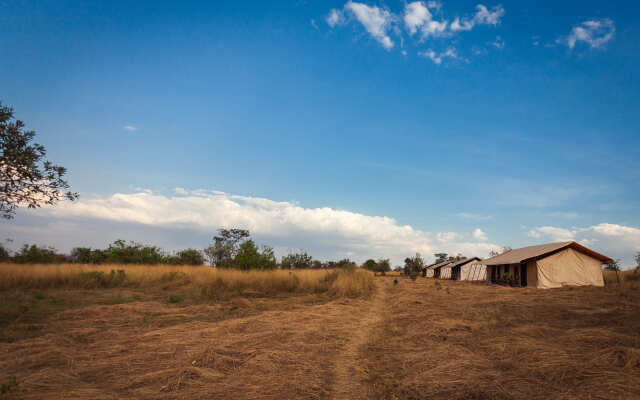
{"points": [[409, 340]]}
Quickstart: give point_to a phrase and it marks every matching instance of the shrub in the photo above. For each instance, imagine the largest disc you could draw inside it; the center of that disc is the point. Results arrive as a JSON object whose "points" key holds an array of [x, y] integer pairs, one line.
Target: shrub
{"points": [[35, 254], [300, 260]]}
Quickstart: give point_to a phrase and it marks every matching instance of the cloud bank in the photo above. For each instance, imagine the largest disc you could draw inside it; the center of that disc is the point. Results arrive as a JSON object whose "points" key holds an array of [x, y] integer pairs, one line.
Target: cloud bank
{"points": [[325, 232]]}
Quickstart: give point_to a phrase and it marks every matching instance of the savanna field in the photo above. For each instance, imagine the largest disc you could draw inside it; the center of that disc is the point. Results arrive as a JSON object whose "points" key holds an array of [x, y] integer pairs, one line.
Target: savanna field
{"points": [[162, 332]]}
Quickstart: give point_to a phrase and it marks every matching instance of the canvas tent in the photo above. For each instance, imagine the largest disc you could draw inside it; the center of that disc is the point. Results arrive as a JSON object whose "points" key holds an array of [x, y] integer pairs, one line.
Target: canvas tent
{"points": [[548, 266], [441, 270], [461, 270], [427, 271]]}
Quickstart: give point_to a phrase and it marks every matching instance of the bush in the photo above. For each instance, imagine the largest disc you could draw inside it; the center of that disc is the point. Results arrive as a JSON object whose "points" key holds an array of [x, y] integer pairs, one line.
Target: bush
{"points": [[37, 255], [300, 260], [249, 257]]}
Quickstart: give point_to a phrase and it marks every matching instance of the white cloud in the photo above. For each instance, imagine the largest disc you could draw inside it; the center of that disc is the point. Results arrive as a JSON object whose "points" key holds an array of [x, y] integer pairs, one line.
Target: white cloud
{"points": [[375, 20], [437, 58], [335, 17], [487, 17], [325, 232], [478, 234], [461, 25], [594, 33], [613, 240], [417, 16], [313, 23], [129, 128], [483, 16]]}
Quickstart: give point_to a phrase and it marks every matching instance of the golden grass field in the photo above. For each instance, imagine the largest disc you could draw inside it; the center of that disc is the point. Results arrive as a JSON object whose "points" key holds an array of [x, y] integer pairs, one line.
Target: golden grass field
{"points": [[158, 332]]}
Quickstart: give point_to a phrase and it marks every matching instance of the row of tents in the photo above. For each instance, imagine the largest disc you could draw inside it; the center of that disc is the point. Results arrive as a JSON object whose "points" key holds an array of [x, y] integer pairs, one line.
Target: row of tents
{"points": [[544, 266]]}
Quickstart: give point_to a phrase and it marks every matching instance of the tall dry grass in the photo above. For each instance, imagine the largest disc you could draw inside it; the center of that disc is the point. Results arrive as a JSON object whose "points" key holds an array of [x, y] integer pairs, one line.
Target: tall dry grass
{"points": [[212, 282]]}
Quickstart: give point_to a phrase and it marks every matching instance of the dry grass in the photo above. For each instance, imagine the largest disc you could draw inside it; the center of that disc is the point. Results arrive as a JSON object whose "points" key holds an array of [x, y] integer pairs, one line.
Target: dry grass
{"points": [[411, 340], [459, 340], [213, 283]]}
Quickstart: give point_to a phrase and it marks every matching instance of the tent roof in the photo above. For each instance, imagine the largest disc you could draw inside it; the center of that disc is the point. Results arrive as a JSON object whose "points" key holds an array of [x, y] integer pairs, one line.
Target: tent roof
{"points": [[540, 251], [438, 265], [465, 261]]}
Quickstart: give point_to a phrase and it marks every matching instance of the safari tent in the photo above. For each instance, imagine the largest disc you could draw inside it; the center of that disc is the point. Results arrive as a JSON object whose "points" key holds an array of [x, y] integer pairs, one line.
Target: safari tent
{"points": [[461, 270], [442, 270], [427, 271], [548, 266]]}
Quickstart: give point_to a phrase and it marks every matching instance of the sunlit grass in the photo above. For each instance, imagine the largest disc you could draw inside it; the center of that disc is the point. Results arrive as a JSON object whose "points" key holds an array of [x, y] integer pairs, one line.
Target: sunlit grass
{"points": [[212, 282]]}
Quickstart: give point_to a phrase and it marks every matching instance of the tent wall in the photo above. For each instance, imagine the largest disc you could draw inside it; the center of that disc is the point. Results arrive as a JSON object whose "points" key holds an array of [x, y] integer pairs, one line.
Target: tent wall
{"points": [[429, 272], [568, 267], [473, 271], [445, 273], [532, 274]]}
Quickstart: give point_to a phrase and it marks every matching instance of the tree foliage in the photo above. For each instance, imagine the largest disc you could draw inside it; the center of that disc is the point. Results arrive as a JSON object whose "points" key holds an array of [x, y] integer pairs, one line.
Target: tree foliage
{"points": [[296, 261], [225, 247], [413, 265], [33, 254], [614, 266], [250, 257], [27, 178]]}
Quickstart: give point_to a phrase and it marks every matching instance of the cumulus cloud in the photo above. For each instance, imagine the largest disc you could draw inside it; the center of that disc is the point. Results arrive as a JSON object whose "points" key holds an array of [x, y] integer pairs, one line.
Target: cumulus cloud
{"points": [[324, 231], [478, 234], [129, 128], [595, 33], [438, 57], [613, 240], [418, 17], [375, 20]]}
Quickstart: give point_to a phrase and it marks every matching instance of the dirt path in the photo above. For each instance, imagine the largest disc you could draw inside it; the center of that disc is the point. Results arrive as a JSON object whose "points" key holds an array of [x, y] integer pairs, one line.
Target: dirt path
{"points": [[348, 374]]}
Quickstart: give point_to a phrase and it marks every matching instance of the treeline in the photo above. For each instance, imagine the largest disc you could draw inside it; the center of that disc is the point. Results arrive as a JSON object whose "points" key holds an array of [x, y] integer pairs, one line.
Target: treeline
{"points": [[119, 252], [231, 248]]}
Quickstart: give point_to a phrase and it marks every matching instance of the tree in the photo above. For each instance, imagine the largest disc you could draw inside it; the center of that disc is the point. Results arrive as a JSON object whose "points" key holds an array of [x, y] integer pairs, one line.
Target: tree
{"points": [[370, 265], [190, 257], [383, 266], [224, 248], [503, 250], [345, 263], [637, 257], [249, 257], [37, 255], [26, 177], [4, 254], [441, 257], [413, 265], [614, 266], [300, 260]]}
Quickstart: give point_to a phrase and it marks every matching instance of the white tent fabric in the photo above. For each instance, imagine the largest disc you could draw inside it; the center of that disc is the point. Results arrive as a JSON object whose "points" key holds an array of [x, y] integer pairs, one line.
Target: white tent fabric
{"points": [[445, 273], [473, 272], [568, 267]]}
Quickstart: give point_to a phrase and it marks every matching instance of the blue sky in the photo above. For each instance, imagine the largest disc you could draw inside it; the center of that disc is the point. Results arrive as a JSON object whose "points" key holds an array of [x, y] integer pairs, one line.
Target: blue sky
{"points": [[519, 120]]}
